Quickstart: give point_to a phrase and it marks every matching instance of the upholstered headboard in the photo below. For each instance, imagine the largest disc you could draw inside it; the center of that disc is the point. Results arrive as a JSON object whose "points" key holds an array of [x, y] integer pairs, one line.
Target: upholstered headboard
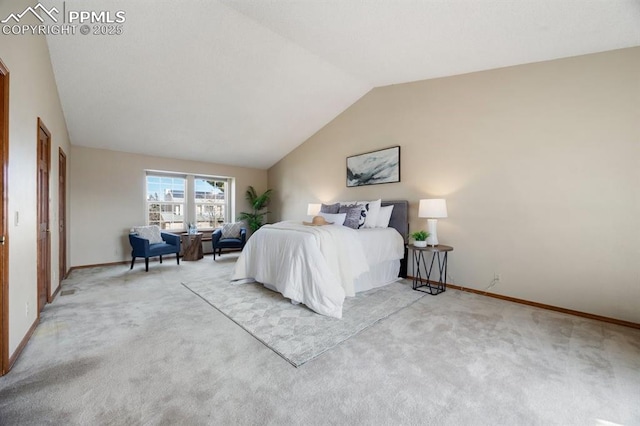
{"points": [[399, 217], [400, 221]]}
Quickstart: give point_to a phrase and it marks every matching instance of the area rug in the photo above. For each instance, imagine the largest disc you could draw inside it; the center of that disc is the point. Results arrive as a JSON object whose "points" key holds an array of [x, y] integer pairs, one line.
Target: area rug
{"points": [[293, 331]]}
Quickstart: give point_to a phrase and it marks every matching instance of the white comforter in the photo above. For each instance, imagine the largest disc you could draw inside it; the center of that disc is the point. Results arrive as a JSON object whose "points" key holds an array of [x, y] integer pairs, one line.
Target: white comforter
{"points": [[314, 265]]}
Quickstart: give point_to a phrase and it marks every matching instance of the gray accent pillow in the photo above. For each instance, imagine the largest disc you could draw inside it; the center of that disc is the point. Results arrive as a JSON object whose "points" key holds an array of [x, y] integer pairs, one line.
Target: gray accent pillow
{"points": [[330, 208], [231, 230], [151, 233], [352, 220], [363, 212]]}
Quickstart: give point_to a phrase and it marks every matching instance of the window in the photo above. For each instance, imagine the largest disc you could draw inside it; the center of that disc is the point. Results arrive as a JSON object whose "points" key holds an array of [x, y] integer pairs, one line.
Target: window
{"points": [[174, 200], [210, 202], [165, 201]]}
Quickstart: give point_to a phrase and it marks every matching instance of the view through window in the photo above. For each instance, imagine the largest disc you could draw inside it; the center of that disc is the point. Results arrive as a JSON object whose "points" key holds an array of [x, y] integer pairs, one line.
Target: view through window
{"points": [[173, 201], [165, 201], [210, 202]]}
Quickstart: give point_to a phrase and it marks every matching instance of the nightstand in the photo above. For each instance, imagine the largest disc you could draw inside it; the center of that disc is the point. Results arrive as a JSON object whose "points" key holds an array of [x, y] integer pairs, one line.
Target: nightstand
{"points": [[192, 246], [439, 253]]}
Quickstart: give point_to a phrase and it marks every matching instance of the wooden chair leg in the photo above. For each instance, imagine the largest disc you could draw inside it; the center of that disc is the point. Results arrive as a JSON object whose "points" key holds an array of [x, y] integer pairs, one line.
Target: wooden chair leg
{"points": [[178, 258], [133, 259], [146, 264], [160, 258]]}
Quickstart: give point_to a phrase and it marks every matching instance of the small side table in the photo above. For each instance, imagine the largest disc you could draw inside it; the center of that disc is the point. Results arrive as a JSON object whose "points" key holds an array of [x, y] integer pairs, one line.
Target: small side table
{"points": [[191, 246], [429, 286]]}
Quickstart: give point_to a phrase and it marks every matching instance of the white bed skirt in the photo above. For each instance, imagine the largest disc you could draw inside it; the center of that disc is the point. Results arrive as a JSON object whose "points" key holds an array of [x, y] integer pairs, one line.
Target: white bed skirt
{"points": [[378, 275]]}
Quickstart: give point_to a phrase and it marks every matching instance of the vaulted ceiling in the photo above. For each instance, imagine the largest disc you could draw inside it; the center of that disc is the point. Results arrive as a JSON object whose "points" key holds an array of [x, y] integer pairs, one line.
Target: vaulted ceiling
{"points": [[244, 82]]}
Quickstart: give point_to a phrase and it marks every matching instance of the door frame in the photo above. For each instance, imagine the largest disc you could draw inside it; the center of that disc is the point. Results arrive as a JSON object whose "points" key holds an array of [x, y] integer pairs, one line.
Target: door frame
{"points": [[4, 226], [47, 260], [62, 217]]}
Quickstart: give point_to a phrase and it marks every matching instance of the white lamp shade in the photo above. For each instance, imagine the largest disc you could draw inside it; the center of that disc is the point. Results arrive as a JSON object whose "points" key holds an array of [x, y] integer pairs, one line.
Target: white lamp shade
{"points": [[313, 209], [434, 208]]}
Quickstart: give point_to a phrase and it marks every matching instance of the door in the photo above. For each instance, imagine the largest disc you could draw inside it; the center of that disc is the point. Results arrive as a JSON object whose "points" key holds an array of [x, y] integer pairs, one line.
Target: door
{"points": [[4, 238], [44, 241], [62, 214]]}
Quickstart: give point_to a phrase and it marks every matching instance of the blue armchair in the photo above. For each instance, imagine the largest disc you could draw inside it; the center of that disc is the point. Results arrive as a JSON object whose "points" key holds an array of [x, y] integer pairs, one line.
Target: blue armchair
{"points": [[220, 243], [141, 248]]}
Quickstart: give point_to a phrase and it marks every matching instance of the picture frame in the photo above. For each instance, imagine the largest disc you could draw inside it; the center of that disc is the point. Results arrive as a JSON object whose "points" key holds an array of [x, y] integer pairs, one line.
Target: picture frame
{"points": [[374, 168]]}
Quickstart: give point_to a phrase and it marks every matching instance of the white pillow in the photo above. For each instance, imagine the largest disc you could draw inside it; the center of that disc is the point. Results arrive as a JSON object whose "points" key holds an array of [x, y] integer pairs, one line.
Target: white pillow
{"points": [[373, 208], [151, 233], [384, 216], [335, 218]]}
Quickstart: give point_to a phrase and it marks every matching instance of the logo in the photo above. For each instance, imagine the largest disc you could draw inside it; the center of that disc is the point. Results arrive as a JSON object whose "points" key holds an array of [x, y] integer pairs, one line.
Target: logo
{"points": [[88, 22], [34, 12]]}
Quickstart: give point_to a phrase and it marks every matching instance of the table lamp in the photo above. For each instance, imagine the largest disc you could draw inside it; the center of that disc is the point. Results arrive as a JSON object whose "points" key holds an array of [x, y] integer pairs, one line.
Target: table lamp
{"points": [[433, 209], [313, 209]]}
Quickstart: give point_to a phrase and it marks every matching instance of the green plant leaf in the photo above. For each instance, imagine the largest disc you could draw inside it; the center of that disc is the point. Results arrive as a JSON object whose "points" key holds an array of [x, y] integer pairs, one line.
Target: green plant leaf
{"points": [[420, 235], [258, 202], [261, 201]]}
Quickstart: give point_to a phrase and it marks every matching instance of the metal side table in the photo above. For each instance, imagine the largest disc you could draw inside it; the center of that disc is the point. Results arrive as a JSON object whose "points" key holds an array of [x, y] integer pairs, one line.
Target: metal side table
{"points": [[439, 252]]}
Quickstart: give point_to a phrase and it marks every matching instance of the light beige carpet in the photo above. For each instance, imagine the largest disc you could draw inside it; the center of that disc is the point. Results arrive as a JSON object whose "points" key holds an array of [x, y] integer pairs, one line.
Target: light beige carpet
{"points": [[295, 332], [130, 348]]}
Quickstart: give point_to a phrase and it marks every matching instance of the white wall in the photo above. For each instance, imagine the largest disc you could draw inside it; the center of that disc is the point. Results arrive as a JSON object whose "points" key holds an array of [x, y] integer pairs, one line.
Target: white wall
{"points": [[539, 163], [107, 196], [33, 94]]}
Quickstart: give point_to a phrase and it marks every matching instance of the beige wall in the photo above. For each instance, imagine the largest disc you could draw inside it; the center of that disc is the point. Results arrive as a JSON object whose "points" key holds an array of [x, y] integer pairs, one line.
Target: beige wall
{"points": [[33, 94], [540, 166], [107, 196]]}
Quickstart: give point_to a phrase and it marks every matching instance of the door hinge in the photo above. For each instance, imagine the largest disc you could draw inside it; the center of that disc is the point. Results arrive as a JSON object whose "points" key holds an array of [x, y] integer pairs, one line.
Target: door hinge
{"points": [[2, 240]]}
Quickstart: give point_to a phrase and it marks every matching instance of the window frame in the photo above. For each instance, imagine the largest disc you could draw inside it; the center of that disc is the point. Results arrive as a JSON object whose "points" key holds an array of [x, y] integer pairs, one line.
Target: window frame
{"points": [[190, 202], [224, 205], [148, 202]]}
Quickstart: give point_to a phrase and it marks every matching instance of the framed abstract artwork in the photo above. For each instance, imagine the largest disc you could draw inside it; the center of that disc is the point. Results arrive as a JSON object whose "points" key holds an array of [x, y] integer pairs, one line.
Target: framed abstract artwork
{"points": [[372, 168]]}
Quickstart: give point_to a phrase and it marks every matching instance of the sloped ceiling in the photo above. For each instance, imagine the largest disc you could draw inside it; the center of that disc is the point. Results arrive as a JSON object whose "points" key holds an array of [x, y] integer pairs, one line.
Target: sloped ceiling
{"points": [[244, 82]]}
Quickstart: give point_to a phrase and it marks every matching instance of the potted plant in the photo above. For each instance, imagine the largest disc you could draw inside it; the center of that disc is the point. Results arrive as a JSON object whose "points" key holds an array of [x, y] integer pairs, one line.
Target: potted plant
{"points": [[257, 202], [420, 238]]}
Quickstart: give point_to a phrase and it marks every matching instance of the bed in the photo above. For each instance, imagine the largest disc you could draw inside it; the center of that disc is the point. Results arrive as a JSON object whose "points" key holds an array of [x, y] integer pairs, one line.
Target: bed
{"points": [[321, 265]]}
